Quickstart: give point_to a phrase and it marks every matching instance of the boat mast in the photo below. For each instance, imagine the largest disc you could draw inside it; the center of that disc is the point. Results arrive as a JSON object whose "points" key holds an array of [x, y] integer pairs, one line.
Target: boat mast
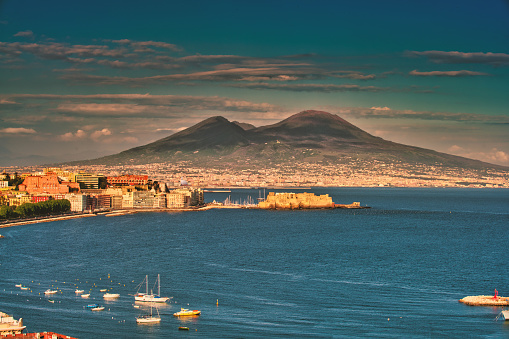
{"points": [[158, 285], [146, 284]]}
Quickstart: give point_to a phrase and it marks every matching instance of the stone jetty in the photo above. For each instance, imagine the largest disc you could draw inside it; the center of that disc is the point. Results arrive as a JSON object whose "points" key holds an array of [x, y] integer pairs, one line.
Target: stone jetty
{"points": [[485, 300]]}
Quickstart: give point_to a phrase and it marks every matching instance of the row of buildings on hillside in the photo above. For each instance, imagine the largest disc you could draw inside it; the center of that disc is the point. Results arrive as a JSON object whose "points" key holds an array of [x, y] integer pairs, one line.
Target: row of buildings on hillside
{"points": [[90, 192]]}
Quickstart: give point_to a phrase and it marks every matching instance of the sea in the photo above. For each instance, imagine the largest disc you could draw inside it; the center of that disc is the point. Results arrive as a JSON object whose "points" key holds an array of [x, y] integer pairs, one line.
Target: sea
{"points": [[396, 270]]}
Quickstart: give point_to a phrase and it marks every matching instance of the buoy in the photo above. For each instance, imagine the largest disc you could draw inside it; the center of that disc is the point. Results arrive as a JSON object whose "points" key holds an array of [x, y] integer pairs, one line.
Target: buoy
{"points": [[217, 302]]}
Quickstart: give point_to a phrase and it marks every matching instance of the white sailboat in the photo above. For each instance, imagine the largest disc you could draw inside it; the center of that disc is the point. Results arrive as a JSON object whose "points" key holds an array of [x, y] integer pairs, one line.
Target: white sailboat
{"points": [[146, 297], [149, 318]]}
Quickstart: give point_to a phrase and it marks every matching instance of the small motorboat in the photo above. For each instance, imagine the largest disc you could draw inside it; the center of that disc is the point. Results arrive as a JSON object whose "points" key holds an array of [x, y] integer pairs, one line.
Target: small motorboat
{"points": [[92, 305], [183, 328], [98, 308], [18, 285], [103, 290], [111, 295], [26, 288], [51, 301], [85, 295], [48, 291], [79, 291], [184, 312]]}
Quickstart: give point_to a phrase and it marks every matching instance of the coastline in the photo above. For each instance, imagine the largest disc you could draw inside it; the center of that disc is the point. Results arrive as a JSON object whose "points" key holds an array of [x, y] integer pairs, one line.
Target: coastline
{"points": [[114, 213], [46, 219]]}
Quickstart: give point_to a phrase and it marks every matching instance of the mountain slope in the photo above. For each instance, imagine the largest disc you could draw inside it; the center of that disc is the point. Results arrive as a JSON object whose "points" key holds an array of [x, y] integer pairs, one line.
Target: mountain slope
{"points": [[308, 136]]}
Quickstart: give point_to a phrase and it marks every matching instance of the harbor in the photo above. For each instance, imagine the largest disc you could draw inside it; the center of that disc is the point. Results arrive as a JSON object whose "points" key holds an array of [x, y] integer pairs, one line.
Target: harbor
{"points": [[269, 268]]}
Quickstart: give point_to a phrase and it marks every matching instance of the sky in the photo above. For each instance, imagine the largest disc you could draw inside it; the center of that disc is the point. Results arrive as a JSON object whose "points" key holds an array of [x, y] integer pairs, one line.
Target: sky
{"points": [[83, 79]]}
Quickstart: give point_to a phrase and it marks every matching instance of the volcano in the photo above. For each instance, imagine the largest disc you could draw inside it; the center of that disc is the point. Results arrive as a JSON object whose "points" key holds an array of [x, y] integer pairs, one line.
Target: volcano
{"points": [[309, 136]]}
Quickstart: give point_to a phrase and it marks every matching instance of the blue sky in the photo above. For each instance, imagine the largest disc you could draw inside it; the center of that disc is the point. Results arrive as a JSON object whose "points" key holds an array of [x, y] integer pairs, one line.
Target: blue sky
{"points": [[85, 79]]}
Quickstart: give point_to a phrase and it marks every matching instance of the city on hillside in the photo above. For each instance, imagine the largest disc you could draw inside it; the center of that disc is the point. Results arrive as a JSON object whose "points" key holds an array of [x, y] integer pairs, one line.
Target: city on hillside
{"points": [[90, 192], [180, 185]]}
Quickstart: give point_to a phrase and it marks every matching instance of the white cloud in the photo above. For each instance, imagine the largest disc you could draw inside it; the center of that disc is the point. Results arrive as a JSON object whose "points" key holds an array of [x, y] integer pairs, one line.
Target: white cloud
{"points": [[80, 134], [27, 34], [97, 134], [17, 130], [7, 102], [461, 73], [494, 155]]}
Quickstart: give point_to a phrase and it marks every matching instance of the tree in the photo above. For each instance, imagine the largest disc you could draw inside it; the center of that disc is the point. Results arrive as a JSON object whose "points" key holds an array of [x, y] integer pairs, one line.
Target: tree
{"points": [[6, 212]]}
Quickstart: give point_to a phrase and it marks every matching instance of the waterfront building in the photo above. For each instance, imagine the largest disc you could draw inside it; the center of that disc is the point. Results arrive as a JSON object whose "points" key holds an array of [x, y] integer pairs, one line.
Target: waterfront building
{"points": [[91, 203], [128, 180], [176, 200], [103, 201], [78, 202], [113, 191], [49, 184], [41, 198], [116, 202], [160, 200], [127, 200], [296, 201], [4, 184], [195, 195], [143, 199], [89, 181], [19, 200]]}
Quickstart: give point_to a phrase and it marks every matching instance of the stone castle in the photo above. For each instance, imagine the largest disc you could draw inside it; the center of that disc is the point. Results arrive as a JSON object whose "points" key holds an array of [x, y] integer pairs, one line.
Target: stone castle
{"points": [[296, 201]]}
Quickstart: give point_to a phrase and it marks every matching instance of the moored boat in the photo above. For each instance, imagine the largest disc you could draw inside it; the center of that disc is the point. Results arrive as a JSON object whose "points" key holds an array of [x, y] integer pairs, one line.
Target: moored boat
{"points": [[505, 313], [9, 325], [149, 318], [111, 295], [79, 291], [85, 295], [184, 312], [18, 285], [150, 297], [98, 308], [25, 288], [49, 291]]}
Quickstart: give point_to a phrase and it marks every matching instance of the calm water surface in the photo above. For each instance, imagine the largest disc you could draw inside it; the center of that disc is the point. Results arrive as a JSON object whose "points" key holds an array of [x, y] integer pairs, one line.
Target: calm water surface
{"points": [[395, 270]]}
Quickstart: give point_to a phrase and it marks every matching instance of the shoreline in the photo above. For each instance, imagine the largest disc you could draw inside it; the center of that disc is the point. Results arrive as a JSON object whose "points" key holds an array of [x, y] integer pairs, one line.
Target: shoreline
{"points": [[116, 213], [113, 213], [46, 219]]}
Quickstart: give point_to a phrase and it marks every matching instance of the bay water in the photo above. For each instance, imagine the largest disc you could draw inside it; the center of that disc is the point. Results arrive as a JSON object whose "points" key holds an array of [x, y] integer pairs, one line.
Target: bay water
{"points": [[395, 270]]}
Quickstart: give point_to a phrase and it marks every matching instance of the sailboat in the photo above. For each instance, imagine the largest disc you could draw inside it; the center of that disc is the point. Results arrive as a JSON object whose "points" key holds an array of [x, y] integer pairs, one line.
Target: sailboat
{"points": [[149, 318], [146, 297]]}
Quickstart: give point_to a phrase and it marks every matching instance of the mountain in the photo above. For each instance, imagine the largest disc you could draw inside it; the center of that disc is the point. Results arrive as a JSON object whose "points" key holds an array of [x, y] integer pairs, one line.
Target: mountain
{"points": [[309, 136]]}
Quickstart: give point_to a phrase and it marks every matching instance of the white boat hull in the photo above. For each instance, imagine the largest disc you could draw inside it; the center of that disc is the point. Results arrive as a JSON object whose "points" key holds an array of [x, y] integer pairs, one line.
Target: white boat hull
{"points": [[505, 313], [151, 298], [149, 320]]}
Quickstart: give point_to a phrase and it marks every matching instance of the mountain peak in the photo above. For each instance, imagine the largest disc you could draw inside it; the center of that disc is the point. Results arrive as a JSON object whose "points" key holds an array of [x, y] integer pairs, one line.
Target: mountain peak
{"points": [[314, 117], [315, 125]]}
